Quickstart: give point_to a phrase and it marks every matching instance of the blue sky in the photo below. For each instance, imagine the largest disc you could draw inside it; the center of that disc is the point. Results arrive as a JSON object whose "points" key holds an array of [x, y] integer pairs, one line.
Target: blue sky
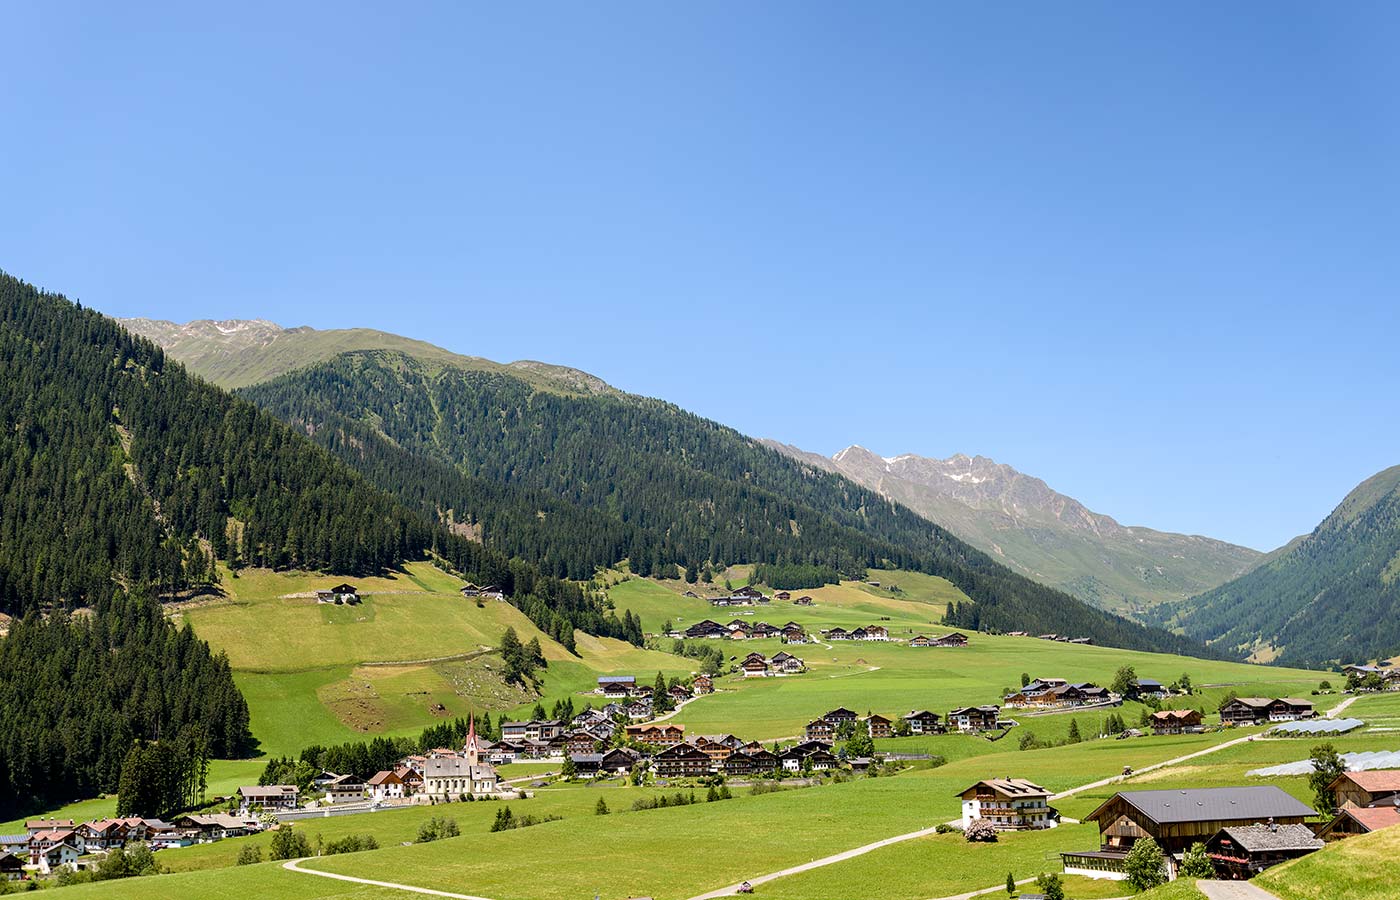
{"points": [[1144, 251]]}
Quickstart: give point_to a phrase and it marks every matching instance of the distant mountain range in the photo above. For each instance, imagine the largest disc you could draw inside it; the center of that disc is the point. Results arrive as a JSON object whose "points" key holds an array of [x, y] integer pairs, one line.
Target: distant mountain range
{"points": [[1330, 596], [1024, 523], [552, 465]]}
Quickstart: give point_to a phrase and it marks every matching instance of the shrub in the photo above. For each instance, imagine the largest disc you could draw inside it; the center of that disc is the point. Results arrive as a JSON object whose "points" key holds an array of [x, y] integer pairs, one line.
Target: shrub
{"points": [[288, 843], [353, 843], [1145, 865], [602, 808], [1050, 885], [249, 855], [980, 830], [437, 828], [1196, 864], [945, 828]]}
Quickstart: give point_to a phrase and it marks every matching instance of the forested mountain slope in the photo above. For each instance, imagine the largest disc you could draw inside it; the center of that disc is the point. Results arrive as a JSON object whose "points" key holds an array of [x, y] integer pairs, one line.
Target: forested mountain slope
{"points": [[673, 488], [1041, 533], [118, 469], [1331, 596]]}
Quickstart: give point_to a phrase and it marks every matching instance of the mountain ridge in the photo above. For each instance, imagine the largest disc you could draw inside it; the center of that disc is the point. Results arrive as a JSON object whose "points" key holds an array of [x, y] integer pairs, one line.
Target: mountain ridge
{"points": [[1331, 596], [1052, 537]]}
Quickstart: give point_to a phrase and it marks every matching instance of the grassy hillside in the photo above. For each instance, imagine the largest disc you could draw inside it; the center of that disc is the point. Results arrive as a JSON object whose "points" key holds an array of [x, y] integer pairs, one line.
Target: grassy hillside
{"points": [[1334, 596], [412, 653], [1366, 867]]}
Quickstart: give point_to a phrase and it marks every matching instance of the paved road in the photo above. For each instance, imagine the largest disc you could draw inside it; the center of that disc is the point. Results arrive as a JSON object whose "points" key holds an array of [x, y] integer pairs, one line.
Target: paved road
{"points": [[1233, 890], [860, 851], [291, 866], [817, 863]]}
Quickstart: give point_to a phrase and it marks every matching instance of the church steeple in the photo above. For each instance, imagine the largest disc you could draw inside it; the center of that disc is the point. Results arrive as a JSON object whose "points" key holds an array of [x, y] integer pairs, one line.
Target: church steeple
{"points": [[473, 749]]}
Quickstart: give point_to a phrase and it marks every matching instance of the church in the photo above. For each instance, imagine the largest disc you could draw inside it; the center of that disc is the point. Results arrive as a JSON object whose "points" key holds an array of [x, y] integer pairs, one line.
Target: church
{"points": [[452, 777]]}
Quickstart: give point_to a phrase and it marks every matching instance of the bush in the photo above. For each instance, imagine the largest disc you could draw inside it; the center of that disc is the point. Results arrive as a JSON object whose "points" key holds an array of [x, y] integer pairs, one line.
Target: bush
{"points": [[981, 831], [438, 828], [602, 808], [1145, 865], [288, 843], [353, 843], [1050, 885], [250, 855], [1196, 864], [945, 828]]}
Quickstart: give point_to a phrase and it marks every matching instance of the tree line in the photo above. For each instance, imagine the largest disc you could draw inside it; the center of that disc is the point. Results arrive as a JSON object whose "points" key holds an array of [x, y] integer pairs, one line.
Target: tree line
{"points": [[78, 692]]}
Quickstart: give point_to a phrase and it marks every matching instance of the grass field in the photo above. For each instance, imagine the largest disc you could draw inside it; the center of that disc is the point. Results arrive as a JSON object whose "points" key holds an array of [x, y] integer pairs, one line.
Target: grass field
{"points": [[1366, 867]]}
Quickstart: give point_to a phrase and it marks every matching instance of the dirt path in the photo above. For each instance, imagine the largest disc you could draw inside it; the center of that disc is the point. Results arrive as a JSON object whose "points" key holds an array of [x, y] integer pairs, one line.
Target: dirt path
{"points": [[1233, 890], [1332, 713], [291, 866]]}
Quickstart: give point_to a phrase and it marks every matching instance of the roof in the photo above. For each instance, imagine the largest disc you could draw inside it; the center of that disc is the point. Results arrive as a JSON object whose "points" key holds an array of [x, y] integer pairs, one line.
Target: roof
{"points": [[1011, 787], [617, 679], [1256, 838], [269, 790], [1373, 818], [1225, 804], [383, 777], [1374, 782], [1259, 702]]}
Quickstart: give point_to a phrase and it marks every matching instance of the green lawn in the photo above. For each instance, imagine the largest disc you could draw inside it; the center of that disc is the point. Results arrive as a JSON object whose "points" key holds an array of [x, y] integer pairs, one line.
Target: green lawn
{"points": [[1366, 867]]}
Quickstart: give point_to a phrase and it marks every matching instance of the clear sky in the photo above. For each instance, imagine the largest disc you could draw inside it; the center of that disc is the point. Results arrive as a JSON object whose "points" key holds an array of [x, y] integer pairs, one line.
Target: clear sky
{"points": [[1148, 252]]}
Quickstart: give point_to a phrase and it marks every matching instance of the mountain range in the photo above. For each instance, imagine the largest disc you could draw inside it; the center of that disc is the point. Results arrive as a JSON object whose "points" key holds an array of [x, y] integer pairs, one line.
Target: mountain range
{"points": [[1329, 596], [555, 467], [1043, 534]]}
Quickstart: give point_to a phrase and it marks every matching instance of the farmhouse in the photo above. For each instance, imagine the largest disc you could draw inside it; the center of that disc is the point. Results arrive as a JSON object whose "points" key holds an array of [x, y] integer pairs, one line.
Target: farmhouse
{"points": [[802, 601], [974, 718], [717, 747], [754, 666], [921, 721], [820, 730], [385, 785], [840, 716], [1360, 820], [344, 789], [1371, 788], [616, 687], [1243, 851], [1176, 819], [1176, 721], [703, 684], [272, 796], [879, 726], [681, 761], [11, 867], [921, 640], [1151, 687], [664, 734], [706, 628], [1258, 710], [785, 663], [782, 595], [341, 593], [750, 761], [956, 639], [1010, 804]]}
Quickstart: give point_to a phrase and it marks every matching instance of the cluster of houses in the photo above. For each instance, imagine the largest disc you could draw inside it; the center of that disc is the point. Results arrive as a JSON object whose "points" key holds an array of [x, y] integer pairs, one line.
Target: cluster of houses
{"points": [[49, 844], [486, 592], [956, 639], [1387, 677], [625, 689], [739, 630], [744, 596], [1060, 638], [756, 665], [673, 755], [967, 719], [1057, 693], [866, 633]]}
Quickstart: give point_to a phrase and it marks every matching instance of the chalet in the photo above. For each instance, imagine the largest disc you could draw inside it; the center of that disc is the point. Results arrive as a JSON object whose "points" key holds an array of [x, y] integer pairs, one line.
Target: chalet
{"points": [[748, 592], [974, 718], [1151, 687], [448, 779], [785, 663], [858, 634], [764, 630], [678, 693], [1080, 640], [44, 841], [879, 726], [755, 666], [703, 684], [662, 734], [877, 633], [341, 594], [1017, 634], [1371, 788], [470, 590], [793, 635], [344, 789], [1055, 692], [1176, 721], [921, 640], [272, 796], [217, 826], [706, 628], [11, 867], [739, 631], [34, 826], [681, 761], [837, 634], [782, 595], [1243, 851], [610, 763], [638, 711], [1176, 819], [822, 760], [1048, 637], [385, 785], [840, 716], [820, 730], [793, 758], [534, 730], [749, 762], [616, 687], [504, 752], [956, 639], [1360, 820], [1010, 804], [921, 721], [802, 601], [51, 859], [1258, 710], [578, 741], [493, 592]]}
